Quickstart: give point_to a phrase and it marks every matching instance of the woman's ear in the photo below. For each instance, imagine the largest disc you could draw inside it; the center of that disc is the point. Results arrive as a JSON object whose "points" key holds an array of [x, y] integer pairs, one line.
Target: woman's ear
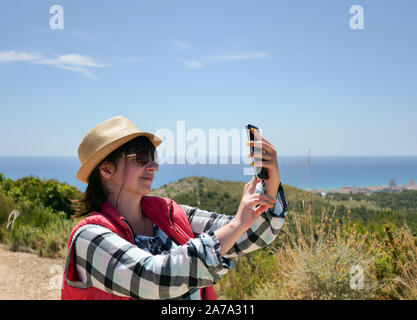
{"points": [[106, 170]]}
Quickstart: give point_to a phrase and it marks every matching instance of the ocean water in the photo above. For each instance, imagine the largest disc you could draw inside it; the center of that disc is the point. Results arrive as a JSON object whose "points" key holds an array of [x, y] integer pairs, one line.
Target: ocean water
{"points": [[316, 172]]}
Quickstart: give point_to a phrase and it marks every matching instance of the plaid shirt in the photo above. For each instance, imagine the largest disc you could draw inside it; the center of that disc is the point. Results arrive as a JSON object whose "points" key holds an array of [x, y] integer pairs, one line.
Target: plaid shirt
{"points": [[156, 267]]}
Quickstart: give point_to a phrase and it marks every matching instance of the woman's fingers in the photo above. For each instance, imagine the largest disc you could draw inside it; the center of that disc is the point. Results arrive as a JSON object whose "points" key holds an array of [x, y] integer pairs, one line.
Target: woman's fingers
{"points": [[265, 164], [257, 136], [251, 185], [259, 210], [261, 198], [260, 146], [259, 156]]}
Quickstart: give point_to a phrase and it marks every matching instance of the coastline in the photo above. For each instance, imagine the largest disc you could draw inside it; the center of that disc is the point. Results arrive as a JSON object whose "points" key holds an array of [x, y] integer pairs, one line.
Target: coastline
{"points": [[365, 190]]}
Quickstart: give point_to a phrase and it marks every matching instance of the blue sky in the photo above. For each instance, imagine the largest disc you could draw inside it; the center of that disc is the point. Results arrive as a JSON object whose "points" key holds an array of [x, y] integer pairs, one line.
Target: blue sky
{"points": [[294, 68]]}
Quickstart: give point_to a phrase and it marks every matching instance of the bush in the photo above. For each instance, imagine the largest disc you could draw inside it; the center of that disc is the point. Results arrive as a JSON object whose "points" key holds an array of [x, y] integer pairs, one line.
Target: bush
{"points": [[41, 230], [249, 271], [49, 193], [43, 225]]}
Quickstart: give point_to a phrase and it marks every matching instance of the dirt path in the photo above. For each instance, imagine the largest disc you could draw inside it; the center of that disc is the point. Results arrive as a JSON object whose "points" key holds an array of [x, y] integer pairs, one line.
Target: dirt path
{"points": [[26, 276]]}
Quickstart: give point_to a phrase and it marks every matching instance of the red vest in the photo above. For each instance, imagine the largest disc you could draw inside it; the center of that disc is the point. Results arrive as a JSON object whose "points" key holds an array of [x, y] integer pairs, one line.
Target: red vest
{"points": [[164, 212]]}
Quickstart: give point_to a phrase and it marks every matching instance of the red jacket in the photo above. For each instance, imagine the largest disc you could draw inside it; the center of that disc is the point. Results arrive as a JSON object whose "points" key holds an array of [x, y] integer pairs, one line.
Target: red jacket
{"points": [[164, 212]]}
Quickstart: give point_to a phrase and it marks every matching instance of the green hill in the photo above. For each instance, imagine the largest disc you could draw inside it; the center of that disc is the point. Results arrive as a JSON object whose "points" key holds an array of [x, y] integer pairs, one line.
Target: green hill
{"points": [[218, 195], [224, 196]]}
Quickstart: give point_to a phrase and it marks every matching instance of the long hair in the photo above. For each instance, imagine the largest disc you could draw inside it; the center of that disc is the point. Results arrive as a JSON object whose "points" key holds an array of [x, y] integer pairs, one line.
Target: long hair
{"points": [[96, 192]]}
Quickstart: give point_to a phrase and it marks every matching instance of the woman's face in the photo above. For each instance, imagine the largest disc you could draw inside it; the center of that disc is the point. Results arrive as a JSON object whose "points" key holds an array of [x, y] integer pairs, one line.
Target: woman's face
{"points": [[132, 178]]}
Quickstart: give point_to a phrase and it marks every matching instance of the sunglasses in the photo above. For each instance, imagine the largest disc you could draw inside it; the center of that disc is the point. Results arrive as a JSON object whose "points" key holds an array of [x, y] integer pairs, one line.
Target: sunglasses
{"points": [[142, 159]]}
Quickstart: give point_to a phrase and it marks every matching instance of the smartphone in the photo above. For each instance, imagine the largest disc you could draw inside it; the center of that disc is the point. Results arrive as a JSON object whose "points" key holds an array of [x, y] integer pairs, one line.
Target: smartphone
{"points": [[261, 172]]}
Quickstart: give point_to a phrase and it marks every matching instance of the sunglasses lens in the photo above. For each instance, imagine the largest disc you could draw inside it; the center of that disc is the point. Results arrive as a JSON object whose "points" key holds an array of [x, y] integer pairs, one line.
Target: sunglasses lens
{"points": [[143, 159]]}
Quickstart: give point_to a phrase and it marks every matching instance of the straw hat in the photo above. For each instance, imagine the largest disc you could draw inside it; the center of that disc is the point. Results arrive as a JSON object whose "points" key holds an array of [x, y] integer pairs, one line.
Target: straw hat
{"points": [[103, 139]]}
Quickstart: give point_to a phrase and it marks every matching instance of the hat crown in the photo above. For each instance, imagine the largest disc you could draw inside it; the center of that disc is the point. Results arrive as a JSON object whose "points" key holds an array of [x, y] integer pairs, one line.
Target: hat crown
{"points": [[104, 133]]}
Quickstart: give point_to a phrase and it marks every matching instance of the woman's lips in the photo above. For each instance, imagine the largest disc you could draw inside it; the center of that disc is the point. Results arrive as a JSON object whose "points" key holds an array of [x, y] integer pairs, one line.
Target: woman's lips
{"points": [[147, 178]]}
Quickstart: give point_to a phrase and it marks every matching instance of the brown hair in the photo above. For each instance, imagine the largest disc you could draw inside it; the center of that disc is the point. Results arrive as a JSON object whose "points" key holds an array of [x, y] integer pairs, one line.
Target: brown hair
{"points": [[96, 193]]}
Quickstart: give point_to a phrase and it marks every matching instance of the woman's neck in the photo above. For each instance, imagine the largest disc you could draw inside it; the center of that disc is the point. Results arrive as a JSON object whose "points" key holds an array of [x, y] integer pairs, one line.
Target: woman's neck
{"points": [[129, 207]]}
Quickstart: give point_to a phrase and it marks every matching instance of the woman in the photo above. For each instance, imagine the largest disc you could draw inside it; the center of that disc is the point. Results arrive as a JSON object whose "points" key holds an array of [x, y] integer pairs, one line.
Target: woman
{"points": [[131, 245]]}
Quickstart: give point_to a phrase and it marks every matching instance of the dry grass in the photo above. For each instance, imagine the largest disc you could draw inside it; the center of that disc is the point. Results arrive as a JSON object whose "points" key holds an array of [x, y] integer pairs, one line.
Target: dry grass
{"points": [[323, 261]]}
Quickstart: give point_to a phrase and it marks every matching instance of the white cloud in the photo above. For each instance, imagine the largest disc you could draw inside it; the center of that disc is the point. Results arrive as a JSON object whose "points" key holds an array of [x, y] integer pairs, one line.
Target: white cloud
{"points": [[193, 64], [72, 62], [203, 62], [182, 45], [241, 56], [179, 45], [13, 56]]}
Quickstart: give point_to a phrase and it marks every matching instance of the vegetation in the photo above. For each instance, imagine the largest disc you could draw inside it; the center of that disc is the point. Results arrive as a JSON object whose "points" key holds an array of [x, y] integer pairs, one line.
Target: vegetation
{"points": [[44, 222], [325, 243]]}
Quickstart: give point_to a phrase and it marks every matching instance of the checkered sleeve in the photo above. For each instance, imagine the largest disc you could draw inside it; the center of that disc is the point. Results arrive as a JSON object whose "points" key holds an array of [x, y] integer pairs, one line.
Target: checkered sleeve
{"points": [[260, 234], [110, 263]]}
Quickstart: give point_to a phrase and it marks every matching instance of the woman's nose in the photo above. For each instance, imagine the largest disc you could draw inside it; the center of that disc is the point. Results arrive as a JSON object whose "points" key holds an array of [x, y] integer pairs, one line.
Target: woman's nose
{"points": [[152, 165]]}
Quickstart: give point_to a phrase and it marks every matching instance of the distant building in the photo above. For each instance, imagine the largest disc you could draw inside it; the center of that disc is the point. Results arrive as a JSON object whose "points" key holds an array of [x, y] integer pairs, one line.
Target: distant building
{"points": [[392, 183], [411, 182]]}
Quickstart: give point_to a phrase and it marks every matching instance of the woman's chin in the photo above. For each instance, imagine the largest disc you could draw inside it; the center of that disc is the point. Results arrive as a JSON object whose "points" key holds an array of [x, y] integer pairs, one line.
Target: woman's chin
{"points": [[145, 188]]}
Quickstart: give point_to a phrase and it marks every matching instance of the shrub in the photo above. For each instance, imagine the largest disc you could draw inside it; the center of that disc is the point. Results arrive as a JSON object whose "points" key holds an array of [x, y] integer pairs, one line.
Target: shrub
{"points": [[43, 225], [49, 193]]}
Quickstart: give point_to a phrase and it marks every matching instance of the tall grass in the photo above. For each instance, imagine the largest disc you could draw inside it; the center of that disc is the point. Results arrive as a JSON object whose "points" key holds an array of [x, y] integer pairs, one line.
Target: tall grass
{"points": [[320, 261], [401, 247]]}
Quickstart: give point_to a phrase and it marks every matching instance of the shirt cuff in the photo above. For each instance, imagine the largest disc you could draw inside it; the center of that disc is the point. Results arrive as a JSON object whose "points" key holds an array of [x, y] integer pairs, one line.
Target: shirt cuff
{"points": [[213, 258], [280, 208]]}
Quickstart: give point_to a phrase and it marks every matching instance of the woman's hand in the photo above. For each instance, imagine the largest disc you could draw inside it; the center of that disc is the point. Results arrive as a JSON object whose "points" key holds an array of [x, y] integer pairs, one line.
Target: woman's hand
{"points": [[265, 156], [246, 215]]}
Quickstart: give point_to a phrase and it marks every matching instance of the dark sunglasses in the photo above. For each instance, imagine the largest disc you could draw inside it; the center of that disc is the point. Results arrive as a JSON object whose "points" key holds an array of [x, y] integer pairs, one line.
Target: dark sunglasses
{"points": [[142, 159]]}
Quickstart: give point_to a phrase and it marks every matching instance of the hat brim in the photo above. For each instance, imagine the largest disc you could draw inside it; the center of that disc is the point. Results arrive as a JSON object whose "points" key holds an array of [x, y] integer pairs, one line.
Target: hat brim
{"points": [[88, 166]]}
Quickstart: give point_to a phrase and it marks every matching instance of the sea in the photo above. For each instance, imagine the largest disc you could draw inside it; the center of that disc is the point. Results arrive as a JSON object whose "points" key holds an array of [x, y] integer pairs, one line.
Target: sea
{"points": [[308, 173]]}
